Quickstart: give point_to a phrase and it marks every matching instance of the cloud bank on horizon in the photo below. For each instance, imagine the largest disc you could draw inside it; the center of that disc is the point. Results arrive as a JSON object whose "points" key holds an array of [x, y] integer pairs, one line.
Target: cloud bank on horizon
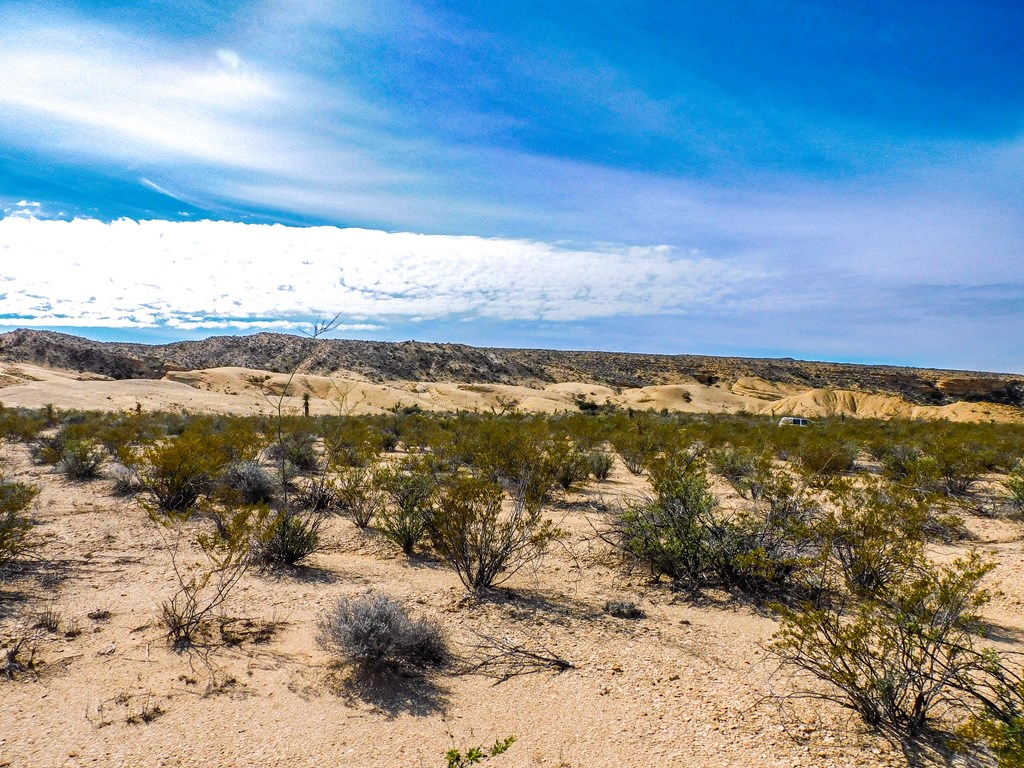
{"points": [[218, 274], [799, 179]]}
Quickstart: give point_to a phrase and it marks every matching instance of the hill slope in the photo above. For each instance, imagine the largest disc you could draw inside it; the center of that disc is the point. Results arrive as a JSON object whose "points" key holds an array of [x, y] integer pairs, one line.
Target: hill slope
{"points": [[374, 361]]}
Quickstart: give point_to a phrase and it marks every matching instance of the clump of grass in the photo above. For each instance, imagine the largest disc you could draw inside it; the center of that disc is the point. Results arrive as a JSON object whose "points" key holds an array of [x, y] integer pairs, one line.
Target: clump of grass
{"points": [[286, 539]]}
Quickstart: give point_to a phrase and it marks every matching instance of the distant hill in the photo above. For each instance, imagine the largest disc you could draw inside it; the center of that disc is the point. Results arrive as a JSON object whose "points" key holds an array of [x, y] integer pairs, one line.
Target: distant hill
{"points": [[418, 361]]}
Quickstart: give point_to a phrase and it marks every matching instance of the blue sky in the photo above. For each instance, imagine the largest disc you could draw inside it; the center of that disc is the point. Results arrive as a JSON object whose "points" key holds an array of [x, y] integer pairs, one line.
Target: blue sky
{"points": [[821, 180]]}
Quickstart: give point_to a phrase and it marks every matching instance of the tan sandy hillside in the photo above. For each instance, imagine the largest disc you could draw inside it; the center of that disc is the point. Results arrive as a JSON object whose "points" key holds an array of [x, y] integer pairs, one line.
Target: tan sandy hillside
{"points": [[382, 362], [250, 391]]}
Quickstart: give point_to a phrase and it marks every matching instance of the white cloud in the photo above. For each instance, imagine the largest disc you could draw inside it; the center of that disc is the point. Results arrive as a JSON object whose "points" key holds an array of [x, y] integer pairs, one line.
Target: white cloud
{"points": [[94, 91], [215, 274]]}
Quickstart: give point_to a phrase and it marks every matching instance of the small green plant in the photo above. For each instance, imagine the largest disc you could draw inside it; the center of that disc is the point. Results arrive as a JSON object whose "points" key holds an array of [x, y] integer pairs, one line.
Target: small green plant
{"points": [[49, 619], [474, 755]]}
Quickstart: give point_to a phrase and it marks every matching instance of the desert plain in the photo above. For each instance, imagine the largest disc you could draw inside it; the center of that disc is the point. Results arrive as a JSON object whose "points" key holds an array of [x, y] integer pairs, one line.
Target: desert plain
{"points": [[690, 683]]}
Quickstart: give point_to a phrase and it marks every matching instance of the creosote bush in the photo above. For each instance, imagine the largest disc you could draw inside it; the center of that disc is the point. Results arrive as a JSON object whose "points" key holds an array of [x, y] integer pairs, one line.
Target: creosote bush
{"points": [[80, 459], [16, 536], [1014, 485], [666, 533], [358, 497], [178, 471], [896, 656], [377, 632], [599, 464], [297, 448], [319, 494], [408, 489], [482, 542], [874, 535], [202, 589]]}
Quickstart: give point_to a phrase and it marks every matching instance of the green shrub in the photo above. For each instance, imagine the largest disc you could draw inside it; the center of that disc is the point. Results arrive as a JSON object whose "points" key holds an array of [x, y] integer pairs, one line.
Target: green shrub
{"points": [[358, 498], [178, 472], [1014, 485], [353, 443], [874, 535], [123, 436], [742, 468], [408, 489], [667, 533], [636, 449], [377, 632], [482, 543], [297, 449], [203, 588], [599, 464], [19, 424], [16, 536], [998, 724], [80, 459], [48, 449], [762, 554], [896, 656], [821, 458], [286, 539], [899, 462], [570, 465], [319, 494], [958, 465]]}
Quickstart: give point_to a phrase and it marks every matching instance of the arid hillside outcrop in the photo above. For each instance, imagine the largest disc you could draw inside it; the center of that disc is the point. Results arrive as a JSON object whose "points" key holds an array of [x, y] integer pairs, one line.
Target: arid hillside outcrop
{"points": [[378, 361]]}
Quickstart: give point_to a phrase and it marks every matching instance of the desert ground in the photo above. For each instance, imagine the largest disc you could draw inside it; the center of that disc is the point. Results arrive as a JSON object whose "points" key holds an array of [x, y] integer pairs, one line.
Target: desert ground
{"points": [[690, 684]]}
